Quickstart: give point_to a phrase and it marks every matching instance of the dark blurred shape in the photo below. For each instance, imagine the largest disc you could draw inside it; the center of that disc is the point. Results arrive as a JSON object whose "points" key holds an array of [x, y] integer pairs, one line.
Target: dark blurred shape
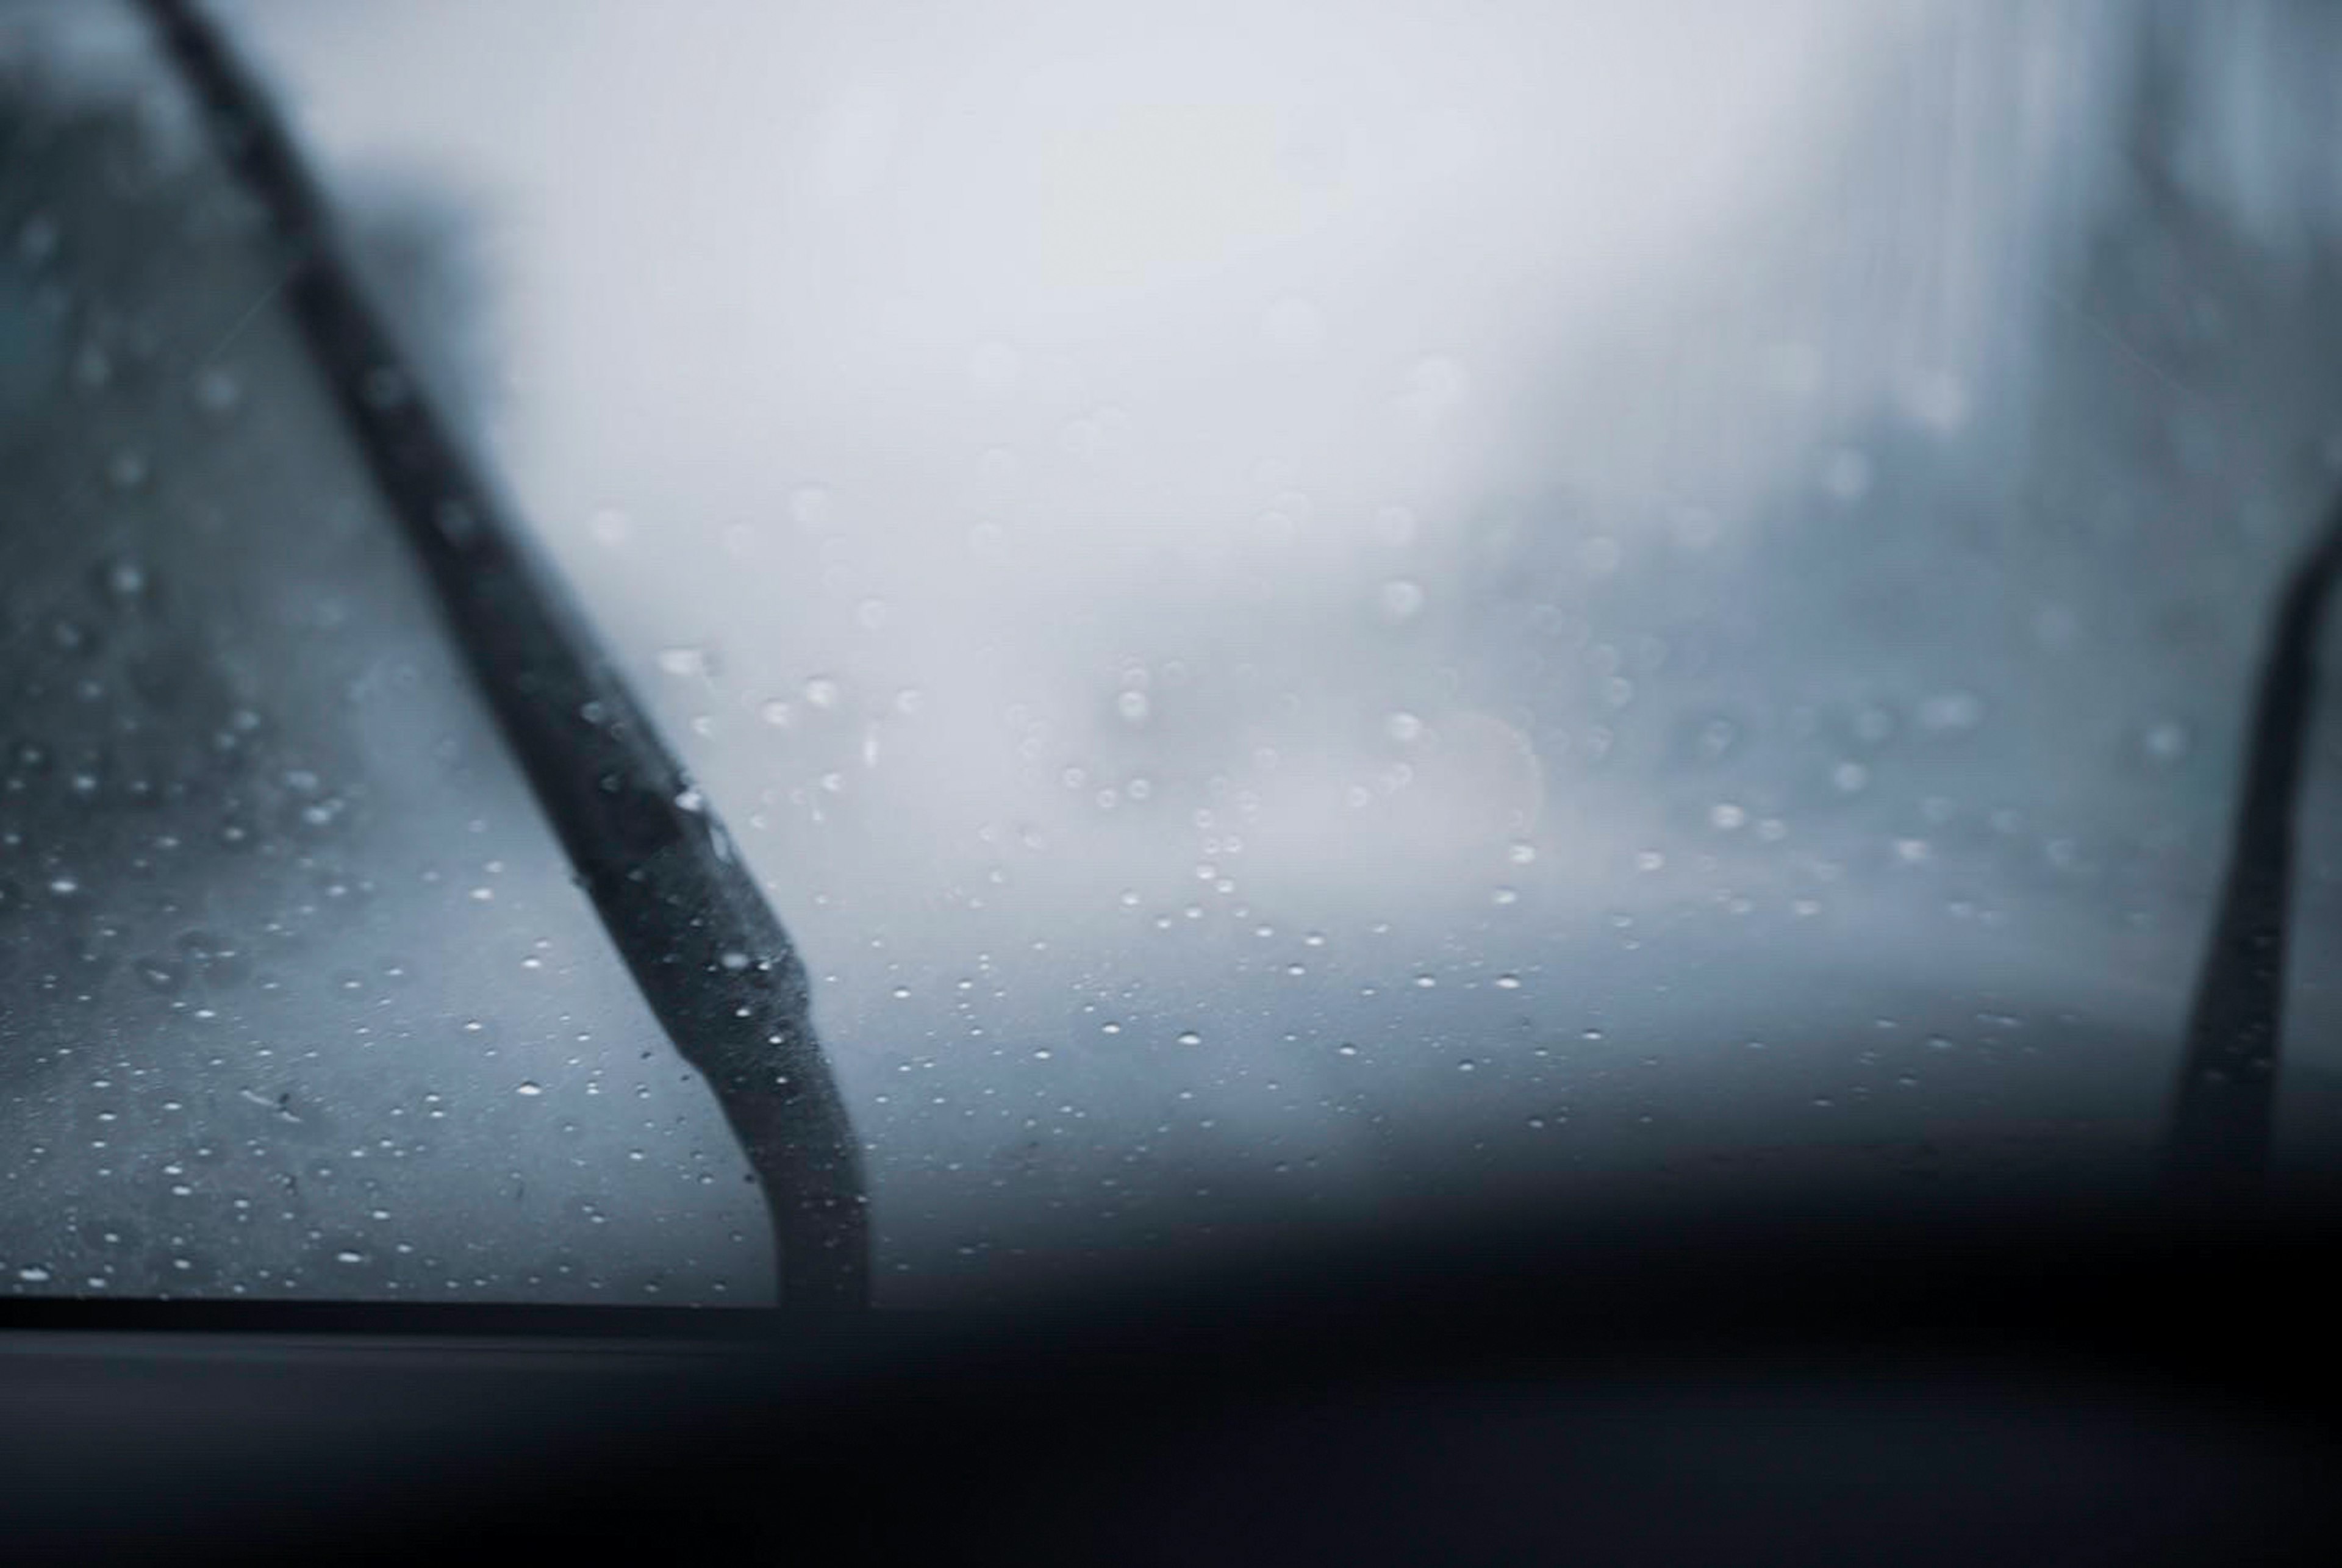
{"points": [[1769, 1382]]}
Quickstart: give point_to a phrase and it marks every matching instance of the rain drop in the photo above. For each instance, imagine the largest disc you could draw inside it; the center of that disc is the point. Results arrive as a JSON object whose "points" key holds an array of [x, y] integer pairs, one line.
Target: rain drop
{"points": [[1400, 599]]}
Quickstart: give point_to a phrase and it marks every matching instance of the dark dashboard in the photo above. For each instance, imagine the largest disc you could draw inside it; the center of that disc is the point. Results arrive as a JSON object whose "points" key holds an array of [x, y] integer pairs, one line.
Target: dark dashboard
{"points": [[1938, 1383]]}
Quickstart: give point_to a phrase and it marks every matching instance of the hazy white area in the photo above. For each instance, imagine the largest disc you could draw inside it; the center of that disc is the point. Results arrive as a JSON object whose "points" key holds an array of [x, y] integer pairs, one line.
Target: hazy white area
{"points": [[914, 389]]}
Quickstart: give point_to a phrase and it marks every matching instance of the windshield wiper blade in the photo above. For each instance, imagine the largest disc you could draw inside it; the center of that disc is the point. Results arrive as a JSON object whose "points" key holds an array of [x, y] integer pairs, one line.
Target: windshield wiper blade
{"points": [[2223, 1110], [705, 949]]}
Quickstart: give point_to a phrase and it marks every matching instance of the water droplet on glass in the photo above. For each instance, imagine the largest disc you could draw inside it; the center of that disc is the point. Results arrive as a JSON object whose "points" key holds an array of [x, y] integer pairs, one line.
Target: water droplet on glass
{"points": [[37, 237], [382, 388], [995, 467], [2166, 741], [529, 1088], [218, 392], [813, 506], [1400, 599], [125, 579], [1436, 386], [1952, 710], [93, 367], [456, 521], [1845, 476]]}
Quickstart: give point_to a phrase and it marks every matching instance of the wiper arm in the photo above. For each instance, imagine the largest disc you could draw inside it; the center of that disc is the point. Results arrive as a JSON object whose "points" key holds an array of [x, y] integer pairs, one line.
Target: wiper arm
{"points": [[2217, 1144], [704, 946]]}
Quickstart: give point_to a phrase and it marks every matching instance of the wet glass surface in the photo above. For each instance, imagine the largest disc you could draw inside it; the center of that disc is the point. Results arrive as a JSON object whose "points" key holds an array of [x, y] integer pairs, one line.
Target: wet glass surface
{"points": [[295, 997], [1306, 613]]}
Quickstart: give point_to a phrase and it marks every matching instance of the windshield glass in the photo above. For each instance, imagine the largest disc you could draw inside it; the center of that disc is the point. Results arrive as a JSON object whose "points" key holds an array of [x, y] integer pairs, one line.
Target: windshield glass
{"points": [[1305, 611], [295, 996]]}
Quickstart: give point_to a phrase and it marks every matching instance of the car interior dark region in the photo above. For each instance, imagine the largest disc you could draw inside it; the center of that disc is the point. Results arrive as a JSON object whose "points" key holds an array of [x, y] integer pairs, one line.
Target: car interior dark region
{"points": [[1304, 781]]}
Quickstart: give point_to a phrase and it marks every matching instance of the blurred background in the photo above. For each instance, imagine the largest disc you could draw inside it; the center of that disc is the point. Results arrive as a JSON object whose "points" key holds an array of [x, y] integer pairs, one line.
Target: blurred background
{"points": [[1309, 611]]}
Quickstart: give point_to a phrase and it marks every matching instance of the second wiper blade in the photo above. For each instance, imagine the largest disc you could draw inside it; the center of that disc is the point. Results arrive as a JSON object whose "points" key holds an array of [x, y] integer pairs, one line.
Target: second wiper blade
{"points": [[2224, 1107]]}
